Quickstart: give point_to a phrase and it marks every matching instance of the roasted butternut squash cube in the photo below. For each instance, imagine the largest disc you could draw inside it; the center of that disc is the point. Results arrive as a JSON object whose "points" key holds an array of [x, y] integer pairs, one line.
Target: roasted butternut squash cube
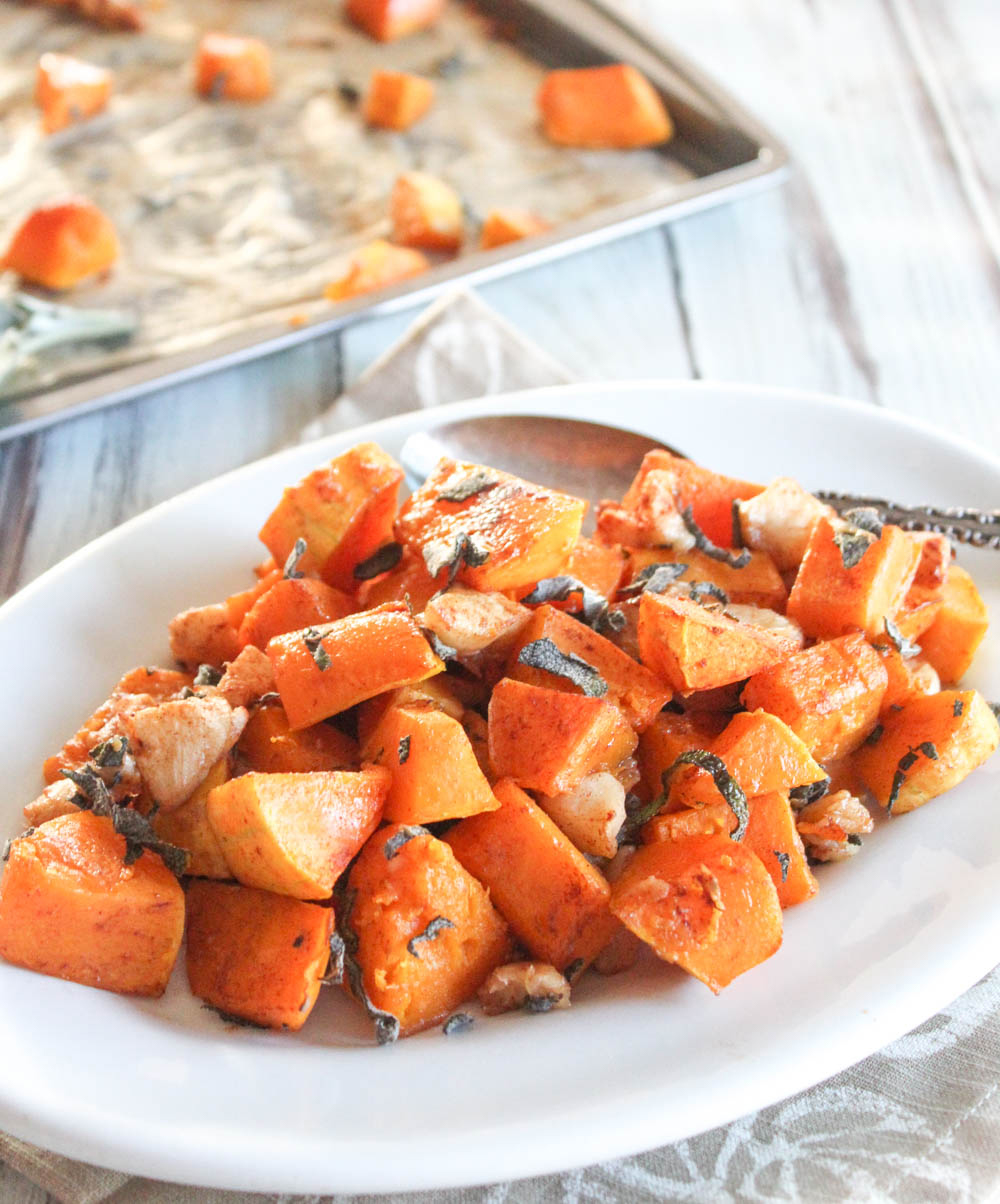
{"points": [[396, 99], [549, 740], [930, 745], [830, 694], [70, 907], [666, 483], [387, 20], [435, 774], [908, 677], [426, 213], [376, 265], [322, 671], [188, 828], [500, 532], [779, 521], [269, 745], [434, 690], [555, 901], [666, 738], [255, 955], [771, 834], [757, 583], [612, 107], [231, 67], [294, 833], [344, 512], [67, 90], [958, 629], [408, 582], [761, 752], [58, 246], [707, 904], [291, 604], [696, 647], [829, 598], [639, 693], [503, 226], [427, 933]]}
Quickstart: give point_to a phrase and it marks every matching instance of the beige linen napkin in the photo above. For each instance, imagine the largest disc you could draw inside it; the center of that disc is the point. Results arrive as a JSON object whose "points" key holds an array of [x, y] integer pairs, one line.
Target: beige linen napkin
{"points": [[917, 1122]]}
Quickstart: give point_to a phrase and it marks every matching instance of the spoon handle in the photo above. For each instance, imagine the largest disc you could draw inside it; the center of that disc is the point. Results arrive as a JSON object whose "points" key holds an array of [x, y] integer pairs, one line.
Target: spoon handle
{"points": [[980, 528]]}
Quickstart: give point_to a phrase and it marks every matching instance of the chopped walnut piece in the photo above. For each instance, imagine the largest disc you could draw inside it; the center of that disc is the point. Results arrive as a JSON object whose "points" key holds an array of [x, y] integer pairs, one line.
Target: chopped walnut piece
{"points": [[530, 986], [827, 826]]}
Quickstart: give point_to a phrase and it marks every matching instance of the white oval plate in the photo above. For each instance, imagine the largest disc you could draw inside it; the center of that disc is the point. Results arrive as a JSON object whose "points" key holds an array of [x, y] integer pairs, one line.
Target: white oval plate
{"points": [[165, 1089]]}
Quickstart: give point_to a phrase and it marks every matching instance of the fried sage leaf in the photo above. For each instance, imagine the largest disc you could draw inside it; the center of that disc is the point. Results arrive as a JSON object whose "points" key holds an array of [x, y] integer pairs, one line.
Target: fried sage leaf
{"points": [[463, 550], [783, 860], [906, 763], [386, 1024], [654, 578], [380, 561], [735, 560], [724, 781], [458, 1022], [906, 648], [292, 570], [313, 640], [433, 929], [403, 836], [864, 527], [545, 654], [798, 796], [477, 481]]}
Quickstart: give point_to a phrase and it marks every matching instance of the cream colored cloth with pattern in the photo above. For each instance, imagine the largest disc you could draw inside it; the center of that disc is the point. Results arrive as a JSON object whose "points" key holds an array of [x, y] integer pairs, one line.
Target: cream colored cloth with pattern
{"points": [[917, 1122]]}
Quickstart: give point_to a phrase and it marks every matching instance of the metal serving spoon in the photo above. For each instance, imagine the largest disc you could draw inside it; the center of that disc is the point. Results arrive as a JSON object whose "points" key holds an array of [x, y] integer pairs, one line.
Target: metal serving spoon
{"points": [[595, 461]]}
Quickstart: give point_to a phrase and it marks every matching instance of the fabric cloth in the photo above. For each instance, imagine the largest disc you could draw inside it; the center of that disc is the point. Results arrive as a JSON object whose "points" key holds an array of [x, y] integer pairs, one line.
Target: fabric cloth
{"points": [[919, 1121]]}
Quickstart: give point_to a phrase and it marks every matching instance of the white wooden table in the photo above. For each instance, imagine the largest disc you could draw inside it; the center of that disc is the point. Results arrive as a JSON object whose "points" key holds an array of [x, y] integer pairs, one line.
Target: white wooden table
{"points": [[873, 273]]}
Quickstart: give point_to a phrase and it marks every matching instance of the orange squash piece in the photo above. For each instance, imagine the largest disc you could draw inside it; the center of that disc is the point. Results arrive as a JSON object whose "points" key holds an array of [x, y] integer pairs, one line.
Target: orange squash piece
{"points": [[772, 835], [599, 567], [387, 20], [188, 828], [322, 671], [503, 226], [426, 213], [294, 833], [268, 745], [70, 907], [435, 774], [951, 641], [396, 99], [828, 599], [761, 752], [706, 904], [426, 930], [519, 532], [695, 647], [602, 107], [830, 694], [555, 901], [408, 582], [232, 67], [255, 955], [68, 89], [60, 245], [928, 746], [757, 583], [549, 740], [639, 693], [376, 265], [343, 511], [666, 738], [291, 604]]}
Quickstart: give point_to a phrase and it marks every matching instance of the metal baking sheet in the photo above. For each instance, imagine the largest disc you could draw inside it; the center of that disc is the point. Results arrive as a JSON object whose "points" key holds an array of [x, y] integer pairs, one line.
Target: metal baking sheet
{"points": [[233, 217]]}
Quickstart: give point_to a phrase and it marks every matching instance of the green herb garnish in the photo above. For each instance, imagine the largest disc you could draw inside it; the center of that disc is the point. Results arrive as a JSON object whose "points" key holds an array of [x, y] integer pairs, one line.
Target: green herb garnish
{"points": [[433, 930], [110, 753], [654, 578], [958, 707], [463, 550], [472, 483], [735, 560], [292, 570], [906, 763], [313, 638], [459, 1022], [386, 1024], [800, 795], [864, 527], [545, 654], [403, 836], [380, 561], [783, 861], [906, 648], [403, 752], [875, 734]]}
